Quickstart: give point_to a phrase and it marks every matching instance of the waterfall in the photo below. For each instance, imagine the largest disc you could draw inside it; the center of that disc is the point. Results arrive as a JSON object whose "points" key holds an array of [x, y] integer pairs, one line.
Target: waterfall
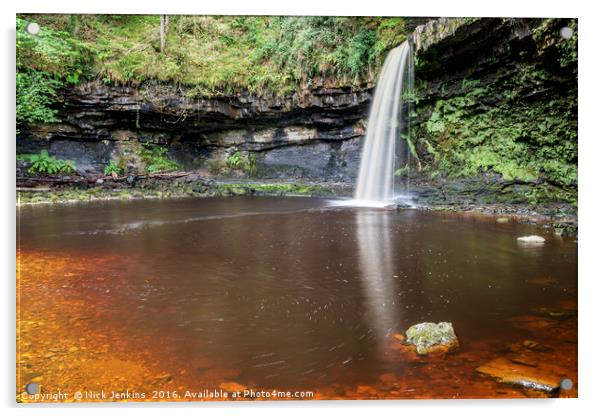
{"points": [[384, 149]]}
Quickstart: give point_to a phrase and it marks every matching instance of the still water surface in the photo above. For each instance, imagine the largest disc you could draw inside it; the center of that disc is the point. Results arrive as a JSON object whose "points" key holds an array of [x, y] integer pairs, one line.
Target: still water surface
{"points": [[287, 293]]}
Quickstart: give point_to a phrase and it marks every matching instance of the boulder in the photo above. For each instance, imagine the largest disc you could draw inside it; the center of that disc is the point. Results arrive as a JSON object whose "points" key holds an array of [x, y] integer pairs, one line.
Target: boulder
{"points": [[430, 337], [521, 374], [531, 239]]}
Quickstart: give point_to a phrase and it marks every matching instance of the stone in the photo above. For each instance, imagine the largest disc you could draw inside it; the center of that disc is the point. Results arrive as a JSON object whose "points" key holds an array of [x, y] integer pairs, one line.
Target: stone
{"points": [[399, 337], [565, 229], [525, 359], [535, 346], [531, 239], [430, 337], [507, 371], [162, 378]]}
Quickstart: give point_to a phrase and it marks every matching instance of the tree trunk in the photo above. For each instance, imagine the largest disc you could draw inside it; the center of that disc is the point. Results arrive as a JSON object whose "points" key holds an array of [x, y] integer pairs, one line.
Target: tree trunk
{"points": [[74, 24], [164, 26]]}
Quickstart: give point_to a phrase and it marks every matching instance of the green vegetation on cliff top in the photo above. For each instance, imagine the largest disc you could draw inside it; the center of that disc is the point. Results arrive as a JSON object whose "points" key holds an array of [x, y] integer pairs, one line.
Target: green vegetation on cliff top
{"points": [[207, 54], [212, 53]]}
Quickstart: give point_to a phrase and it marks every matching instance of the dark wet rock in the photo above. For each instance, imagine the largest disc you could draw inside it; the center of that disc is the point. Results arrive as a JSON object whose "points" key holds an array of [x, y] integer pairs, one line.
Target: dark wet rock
{"points": [[565, 228], [430, 337], [102, 122]]}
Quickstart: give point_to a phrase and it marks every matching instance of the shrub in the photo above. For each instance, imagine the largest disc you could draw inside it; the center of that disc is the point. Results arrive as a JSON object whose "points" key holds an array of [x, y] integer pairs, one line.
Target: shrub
{"points": [[156, 159], [239, 161], [235, 160], [112, 168], [262, 54], [45, 62], [45, 164]]}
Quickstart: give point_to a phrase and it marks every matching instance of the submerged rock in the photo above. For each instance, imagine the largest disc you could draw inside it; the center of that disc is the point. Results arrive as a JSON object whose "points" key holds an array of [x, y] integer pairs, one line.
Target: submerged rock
{"points": [[565, 228], [531, 239], [522, 374], [429, 337], [162, 378]]}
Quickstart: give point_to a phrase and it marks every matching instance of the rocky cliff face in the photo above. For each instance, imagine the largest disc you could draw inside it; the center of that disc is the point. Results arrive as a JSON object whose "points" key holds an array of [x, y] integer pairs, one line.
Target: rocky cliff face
{"points": [[311, 135], [496, 111]]}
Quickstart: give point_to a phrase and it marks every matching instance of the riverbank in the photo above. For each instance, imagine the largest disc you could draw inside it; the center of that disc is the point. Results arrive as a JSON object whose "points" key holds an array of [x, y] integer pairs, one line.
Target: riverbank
{"points": [[179, 185], [562, 217]]}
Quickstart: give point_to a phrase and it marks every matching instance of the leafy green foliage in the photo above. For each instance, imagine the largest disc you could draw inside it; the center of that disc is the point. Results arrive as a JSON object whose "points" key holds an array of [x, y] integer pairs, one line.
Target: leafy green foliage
{"points": [[211, 54], [111, 168], [548, 34], [404, 170], [235, 160], [44, 63], [156, 159], [568, 48], [36, 92], [44, 164], [520, 140]]}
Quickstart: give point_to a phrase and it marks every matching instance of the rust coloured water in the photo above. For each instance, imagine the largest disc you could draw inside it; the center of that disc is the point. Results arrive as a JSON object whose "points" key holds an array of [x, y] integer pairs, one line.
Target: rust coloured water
{"points": [[160, 298]]}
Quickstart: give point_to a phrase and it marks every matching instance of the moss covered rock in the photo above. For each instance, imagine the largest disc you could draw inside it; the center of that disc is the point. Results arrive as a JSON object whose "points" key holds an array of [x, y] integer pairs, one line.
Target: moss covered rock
{"points": [[429, 337]]}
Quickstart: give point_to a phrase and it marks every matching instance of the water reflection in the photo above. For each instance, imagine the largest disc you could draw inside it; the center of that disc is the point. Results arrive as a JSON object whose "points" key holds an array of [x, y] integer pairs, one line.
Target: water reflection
{"points": [[276, 293], [373, 229]]}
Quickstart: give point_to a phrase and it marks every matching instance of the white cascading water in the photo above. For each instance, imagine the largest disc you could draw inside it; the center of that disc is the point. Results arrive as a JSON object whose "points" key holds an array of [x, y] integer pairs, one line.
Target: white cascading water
{"points": [[388, 119]]}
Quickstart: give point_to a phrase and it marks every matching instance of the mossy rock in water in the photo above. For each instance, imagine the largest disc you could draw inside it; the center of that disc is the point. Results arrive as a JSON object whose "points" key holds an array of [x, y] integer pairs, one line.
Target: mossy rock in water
{"points": [[429, 337]]}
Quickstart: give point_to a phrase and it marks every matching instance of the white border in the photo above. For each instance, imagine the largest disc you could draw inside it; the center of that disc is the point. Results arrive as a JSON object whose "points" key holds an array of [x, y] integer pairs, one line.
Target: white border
{"points": [[590, 372]]}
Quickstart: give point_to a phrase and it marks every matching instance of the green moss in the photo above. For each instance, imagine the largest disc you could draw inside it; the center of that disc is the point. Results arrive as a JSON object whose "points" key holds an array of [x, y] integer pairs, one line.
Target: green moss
{"points": [[547, 34], [274, 189], [534, 141], [426, 335], [174, 189]]}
